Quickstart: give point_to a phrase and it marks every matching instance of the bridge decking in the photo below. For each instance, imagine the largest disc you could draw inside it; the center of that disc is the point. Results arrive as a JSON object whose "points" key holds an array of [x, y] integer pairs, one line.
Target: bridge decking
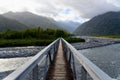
{"points": [[59, 69]]}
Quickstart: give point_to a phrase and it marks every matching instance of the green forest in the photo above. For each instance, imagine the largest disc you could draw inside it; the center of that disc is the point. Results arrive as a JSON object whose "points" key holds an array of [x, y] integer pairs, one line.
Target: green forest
{"points": [[37, 33], [33, 37]]}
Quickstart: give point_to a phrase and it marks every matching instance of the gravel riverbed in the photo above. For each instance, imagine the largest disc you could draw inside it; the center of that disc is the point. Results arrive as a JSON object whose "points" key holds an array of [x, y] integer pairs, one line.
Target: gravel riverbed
{"points": [[11, 52], [91, 42], [22, 52]]}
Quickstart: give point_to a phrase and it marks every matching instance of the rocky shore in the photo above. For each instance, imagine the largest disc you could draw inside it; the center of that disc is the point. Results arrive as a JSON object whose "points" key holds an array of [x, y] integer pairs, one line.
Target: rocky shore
{"points": [[92, 42], [13, 52]]}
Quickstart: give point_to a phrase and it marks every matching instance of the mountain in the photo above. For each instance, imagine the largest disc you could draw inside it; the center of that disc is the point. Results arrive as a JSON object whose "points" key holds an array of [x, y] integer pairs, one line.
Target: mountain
{"points": [[6, 24], [31, 20], [70, 26], [105, 24]]}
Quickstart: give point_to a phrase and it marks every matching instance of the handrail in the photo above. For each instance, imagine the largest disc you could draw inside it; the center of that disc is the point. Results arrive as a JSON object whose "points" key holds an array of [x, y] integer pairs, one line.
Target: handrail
{"points": [[32, 64], [87, 66], [46, 55]]}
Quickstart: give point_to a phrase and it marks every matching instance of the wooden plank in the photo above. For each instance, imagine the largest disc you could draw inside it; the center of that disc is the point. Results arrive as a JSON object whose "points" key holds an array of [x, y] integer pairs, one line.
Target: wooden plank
{"points": [[60, 69]]}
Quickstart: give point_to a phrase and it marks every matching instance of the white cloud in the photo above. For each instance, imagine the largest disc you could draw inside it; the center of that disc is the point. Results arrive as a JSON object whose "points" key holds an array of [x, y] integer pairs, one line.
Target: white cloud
{"points": [[91, 8], [115, 2], [17, 5], [78, 9]]}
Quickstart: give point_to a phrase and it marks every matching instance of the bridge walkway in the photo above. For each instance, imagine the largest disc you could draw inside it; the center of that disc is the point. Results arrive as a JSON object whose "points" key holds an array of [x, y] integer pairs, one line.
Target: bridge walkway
{"points": [[59, 69]]}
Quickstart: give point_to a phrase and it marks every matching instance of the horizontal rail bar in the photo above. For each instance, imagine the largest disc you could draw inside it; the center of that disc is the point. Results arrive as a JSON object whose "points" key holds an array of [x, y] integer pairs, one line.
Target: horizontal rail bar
{"points": [[20, 73], [95, 72]]}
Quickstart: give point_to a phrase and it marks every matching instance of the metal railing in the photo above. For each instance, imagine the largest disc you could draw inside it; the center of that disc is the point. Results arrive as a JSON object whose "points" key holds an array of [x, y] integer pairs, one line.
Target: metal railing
{"points": [[39, 64], [80, 65]]}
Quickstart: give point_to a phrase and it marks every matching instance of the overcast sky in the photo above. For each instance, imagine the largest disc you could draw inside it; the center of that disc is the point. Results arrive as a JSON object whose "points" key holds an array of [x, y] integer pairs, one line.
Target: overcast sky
{"points": [[75, 10]]}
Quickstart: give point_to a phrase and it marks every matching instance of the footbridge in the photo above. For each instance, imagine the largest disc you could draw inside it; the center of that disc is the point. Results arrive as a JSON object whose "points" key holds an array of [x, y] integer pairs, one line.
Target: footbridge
{"points": [[59, 61]]}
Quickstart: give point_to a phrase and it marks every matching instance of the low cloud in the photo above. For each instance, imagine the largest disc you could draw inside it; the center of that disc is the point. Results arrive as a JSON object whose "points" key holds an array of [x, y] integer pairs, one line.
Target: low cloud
{"points": [[91, 8], [78, 9]]}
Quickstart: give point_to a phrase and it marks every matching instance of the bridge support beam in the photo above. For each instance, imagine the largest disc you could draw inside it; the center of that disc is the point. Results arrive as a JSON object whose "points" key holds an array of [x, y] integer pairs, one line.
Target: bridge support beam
{"points": [[83, 73], [35, 73]]}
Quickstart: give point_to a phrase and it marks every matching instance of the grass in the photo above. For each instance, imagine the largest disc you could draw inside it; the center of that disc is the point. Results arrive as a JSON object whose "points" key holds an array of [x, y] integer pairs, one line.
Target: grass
{"points": [[73, 40], [32, 42], [24, 42]]}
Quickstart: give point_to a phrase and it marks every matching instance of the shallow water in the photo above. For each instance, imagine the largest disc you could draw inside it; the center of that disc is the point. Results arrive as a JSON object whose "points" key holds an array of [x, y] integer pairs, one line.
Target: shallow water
{"points": [[107, 58], [8, 65], [12, 63], [13, 57]]}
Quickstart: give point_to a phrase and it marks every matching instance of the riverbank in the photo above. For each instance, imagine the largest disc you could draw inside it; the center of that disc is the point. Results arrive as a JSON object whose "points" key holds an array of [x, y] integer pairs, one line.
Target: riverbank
{"points": [[33, 42], [11, 52], [23, 52], [91, 42]]}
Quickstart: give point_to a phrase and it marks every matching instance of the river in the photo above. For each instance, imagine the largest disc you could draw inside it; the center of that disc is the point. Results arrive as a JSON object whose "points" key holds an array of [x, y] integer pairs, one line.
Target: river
{"points": [[107, 58], [13, 57]]}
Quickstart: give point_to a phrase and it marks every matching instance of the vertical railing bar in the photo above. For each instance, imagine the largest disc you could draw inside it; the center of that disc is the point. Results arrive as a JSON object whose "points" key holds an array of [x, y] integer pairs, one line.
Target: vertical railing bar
{"points": [[63, 46], [52, 51], [69, 56], [46, 62], [54, 48], [83, 73], [49, 54], [66, 53], [35, 73], [74, 69], [41, 76]]}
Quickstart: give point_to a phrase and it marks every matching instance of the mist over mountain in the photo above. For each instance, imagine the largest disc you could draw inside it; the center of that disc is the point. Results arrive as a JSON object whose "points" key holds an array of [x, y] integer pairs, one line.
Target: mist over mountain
{"points": [[70, 26], [9, 24], [105, 24], [31, 20]]}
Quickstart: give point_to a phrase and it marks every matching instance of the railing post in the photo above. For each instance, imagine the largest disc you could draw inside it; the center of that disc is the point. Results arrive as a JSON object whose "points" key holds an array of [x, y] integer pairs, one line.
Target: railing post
{"points": [[46, 68], [54, 48], [49, 54], [35, 73], [70, 57], [83, 73], [74, 69]]}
